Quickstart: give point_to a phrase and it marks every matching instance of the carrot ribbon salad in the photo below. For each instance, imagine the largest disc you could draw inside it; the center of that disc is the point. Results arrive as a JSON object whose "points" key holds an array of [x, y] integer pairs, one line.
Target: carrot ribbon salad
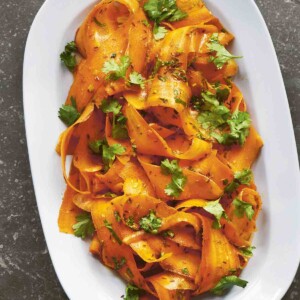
{"points": [[162, 147]]}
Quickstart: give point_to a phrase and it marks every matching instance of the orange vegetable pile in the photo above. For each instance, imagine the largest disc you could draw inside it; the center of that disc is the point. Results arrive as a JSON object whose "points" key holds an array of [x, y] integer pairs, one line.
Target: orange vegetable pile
{"points": [[173, 231]]}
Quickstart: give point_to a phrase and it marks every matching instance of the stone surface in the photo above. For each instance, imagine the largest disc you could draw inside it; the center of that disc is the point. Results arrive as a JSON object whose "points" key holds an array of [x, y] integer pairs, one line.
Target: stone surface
{"points": [[26, 271]]}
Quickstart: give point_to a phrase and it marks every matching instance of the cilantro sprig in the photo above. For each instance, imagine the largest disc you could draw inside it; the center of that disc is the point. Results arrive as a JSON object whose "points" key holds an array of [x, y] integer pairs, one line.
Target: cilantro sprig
{"points": [[119, 264], [175, 188], [132, 292], [113, 233], [240, 177], [119, 129], [68, 56], [151, 223], [226, 128], [84, 226], [108, 152], [163, 10], [222, 55], [227, 282], [216, 209], [69, 113], [115, 71], [247, 251], [243, 208]]}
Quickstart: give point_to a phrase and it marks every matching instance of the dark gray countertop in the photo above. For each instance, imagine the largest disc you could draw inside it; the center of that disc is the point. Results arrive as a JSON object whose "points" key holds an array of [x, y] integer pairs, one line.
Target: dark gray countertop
{"points": [[26, 271]]}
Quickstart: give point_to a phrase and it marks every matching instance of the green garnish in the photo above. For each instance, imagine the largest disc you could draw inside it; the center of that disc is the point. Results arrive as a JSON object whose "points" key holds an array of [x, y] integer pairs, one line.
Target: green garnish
{"points": [[185, 271], [114, 70], [69, 113], [241, 177], [150, 223], [159, 32], [216, 209], [137, 79], [222, 55], [119, 129], [113, 233], [84, 226], [175, 188], [243, 208], [108, 152], [248, 251], [132, 292], [226, 283], [119, 264], [68, 56]]}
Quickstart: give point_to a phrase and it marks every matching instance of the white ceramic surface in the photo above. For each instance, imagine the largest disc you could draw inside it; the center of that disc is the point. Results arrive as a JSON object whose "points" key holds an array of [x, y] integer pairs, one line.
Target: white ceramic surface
{"points": [[46, 84]]}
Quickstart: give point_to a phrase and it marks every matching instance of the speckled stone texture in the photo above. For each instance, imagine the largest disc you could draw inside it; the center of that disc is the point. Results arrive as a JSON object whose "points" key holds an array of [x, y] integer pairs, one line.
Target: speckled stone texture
{"points": [[26, 271]]}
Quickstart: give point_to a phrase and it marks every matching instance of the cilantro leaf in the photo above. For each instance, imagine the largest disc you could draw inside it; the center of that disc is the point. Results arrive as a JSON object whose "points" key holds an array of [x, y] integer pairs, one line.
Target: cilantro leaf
{"points": [[68, 57], [113, 233], [242, 208], [108, 152], [150, 223], [137, 79], [119, 263], [114, 70], [239, 125], [248, 251], [160, 10], [119, 129], [111, 106], [216, 209], [178, 179], [84, 226], [132, 292], [159, 32], [185, 271], [168, 233], [215, 118], [244, 177], [69, 113], [241, 177], [222, 55], [226, 283]]}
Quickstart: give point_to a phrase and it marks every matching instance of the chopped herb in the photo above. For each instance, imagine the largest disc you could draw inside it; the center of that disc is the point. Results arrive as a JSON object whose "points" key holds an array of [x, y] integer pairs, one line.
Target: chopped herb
{"points": [[129, 273], [113, 233], [222, 94], [226, 283], [68, 56], [241, 177], [222, 55], [179, 101], [248, 251], [69, 113], [185, 271], [119, 264], [132, 292], [215, 116], [175, 188], [145, 22], [168, 233], [216, 209], [108, 152], [114, 70], [137, 79], [119, 129], [84, 226], [243, 208], [151, 223], [239, 125], [131, 223], [98, 23], [159, 32], [117, 216], [161, 10]]}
